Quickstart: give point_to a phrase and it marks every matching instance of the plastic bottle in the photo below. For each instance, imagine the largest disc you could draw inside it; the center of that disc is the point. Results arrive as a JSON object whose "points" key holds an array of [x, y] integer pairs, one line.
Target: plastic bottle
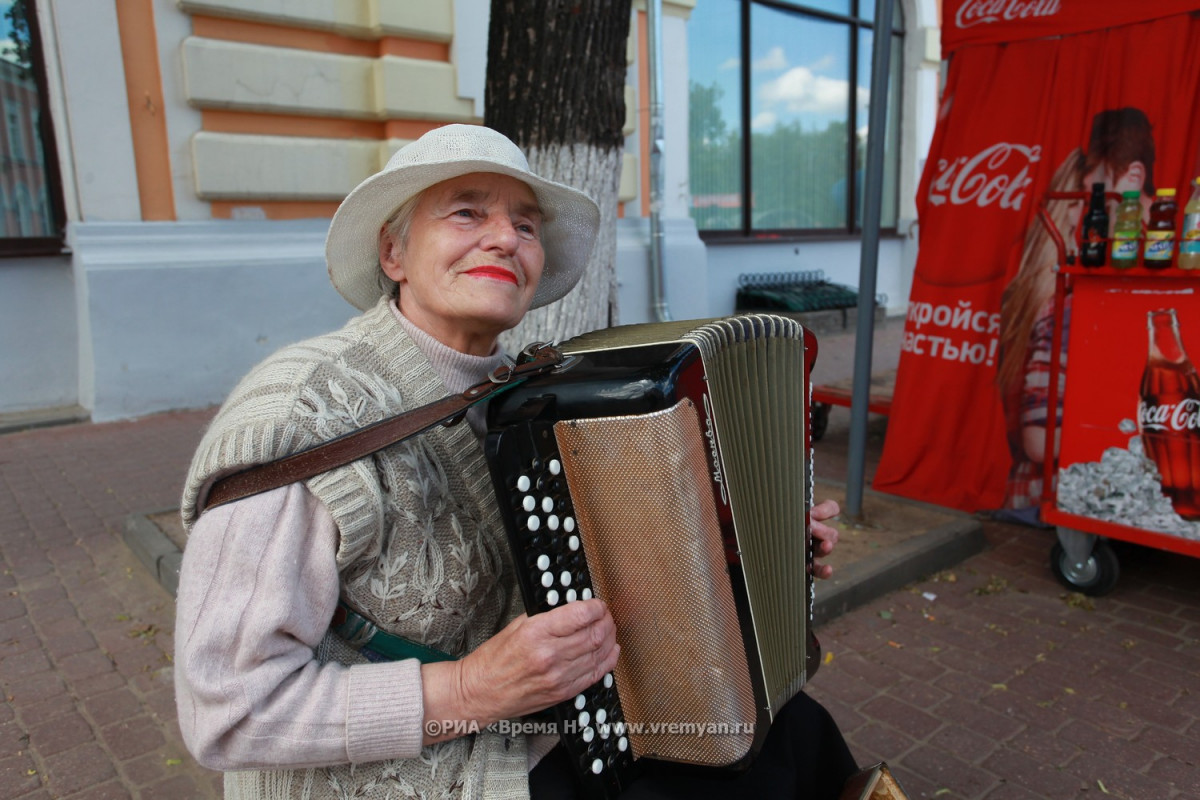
{"points": [[1092, 244], [1126, 231], [1159, 252], [1189, 238]]}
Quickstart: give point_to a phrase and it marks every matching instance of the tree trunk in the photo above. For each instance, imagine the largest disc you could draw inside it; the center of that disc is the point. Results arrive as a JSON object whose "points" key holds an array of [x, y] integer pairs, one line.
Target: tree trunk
{"points": [[556, 87]]}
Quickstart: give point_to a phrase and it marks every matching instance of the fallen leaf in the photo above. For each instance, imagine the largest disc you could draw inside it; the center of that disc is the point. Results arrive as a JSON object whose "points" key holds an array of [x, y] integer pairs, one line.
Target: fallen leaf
{"points": [[1069, 690], [174, 762], [896, 645], [995, 585], [1100, 783], [885, 615], [941, 792], [828, 657], [1003, 687], [31, 771], [1079, 600]]}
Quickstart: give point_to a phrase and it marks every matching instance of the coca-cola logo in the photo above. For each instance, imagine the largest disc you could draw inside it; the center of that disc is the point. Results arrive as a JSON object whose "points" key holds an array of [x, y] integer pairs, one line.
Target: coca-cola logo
{"points": [[1181, 416], [989, 177], [983, 12]]}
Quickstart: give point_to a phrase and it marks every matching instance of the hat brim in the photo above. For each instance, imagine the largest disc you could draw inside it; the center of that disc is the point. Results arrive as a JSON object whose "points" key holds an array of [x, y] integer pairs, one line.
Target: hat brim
{"points": [[570, 223]]}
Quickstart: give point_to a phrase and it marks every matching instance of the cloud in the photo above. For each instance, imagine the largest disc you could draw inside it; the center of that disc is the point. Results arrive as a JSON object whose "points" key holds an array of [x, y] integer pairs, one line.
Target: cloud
{"points": [[730, 64], [799, 90], [763, 121], [773, 60]]}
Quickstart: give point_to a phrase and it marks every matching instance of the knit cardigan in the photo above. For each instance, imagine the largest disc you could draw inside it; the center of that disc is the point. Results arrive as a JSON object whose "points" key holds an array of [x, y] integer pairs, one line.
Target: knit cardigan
{"points": [[421, 549]]}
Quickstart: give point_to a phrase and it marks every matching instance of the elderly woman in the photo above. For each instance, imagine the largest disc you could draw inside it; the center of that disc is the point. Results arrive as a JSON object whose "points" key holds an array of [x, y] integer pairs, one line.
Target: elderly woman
{"points": [[443, 250]]}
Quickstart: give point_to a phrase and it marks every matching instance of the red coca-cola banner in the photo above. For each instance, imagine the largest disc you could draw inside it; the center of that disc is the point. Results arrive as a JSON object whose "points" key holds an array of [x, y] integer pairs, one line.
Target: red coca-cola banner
{"points": [[967, 22], [1113, 105]]}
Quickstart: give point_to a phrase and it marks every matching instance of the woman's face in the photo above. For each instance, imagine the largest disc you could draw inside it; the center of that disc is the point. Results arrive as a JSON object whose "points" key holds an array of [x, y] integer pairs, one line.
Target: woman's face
{"points": [[472, 261]]}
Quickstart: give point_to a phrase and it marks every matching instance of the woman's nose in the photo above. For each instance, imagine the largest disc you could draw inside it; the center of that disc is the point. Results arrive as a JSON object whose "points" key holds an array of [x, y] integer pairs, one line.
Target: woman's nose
{"points": [[501, 233]]}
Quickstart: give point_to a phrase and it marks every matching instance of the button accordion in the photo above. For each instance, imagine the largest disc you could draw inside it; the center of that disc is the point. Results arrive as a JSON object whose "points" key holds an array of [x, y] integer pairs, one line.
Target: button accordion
{"points": [[667, 470]]}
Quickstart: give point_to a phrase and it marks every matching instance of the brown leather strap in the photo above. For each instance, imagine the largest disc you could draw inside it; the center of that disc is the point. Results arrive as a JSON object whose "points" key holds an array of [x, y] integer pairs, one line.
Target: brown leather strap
{"points": [[357, 444]]}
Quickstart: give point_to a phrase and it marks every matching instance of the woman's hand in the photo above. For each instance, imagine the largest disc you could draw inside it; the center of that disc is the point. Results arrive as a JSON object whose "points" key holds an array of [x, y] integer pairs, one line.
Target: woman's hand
{"points": [[534, 662], [826, 535]]}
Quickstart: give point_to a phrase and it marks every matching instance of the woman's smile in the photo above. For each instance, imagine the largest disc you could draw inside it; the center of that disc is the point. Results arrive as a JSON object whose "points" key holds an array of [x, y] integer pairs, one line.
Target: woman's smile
{"points": [[494, 272]]}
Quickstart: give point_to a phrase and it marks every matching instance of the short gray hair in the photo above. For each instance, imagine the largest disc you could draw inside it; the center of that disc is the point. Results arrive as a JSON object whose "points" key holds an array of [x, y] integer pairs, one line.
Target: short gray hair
{"points": [[397, 229]]}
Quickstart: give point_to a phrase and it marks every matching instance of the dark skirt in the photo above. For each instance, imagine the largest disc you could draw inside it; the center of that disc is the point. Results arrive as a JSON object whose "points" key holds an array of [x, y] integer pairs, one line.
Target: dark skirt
{"points": [[804, 756]]}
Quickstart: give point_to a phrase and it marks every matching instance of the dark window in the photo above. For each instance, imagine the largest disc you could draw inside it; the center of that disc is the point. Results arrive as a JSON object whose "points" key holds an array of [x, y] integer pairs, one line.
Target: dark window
{"points": [[31, 209], [779, 93]]}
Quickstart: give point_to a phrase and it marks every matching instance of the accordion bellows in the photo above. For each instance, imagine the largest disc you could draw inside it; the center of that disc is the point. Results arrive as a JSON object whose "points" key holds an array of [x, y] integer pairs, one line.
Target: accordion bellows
{"points": [[686, 453]]}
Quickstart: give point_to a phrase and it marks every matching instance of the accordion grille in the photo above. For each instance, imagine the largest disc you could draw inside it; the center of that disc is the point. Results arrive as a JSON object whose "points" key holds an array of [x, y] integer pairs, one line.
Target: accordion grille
{"points": [[758, 385], [640, 486]]}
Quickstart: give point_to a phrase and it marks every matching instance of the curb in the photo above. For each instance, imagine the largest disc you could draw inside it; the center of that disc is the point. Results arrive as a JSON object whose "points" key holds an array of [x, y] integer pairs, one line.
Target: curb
{"points": [[154, 549], [852, 586]]}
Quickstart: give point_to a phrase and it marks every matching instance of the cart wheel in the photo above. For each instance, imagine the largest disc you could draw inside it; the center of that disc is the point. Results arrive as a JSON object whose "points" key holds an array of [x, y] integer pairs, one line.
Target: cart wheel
{"points": [[1095, 577], [820, 420]]}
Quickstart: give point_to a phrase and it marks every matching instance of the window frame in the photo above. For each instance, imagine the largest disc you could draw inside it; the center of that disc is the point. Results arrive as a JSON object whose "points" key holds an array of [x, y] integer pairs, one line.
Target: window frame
{"points": [[42, 127], [855, 24]]}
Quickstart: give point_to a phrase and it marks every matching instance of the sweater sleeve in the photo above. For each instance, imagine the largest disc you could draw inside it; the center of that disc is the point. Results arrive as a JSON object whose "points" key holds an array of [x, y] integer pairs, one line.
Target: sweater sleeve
{"points": [[258, 587]]}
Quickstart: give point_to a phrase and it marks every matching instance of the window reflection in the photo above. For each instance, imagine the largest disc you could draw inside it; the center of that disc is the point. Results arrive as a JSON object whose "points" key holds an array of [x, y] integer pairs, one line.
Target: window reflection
{"points": [[26, 210]]}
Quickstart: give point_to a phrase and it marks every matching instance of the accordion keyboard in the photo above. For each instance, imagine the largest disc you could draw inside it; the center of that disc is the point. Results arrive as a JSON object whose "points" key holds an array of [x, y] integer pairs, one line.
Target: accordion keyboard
{"points": [[553, 572]]}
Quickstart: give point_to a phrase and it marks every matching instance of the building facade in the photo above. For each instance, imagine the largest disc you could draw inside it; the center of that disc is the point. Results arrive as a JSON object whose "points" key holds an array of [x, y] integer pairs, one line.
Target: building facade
{"points": [[194, 151]]}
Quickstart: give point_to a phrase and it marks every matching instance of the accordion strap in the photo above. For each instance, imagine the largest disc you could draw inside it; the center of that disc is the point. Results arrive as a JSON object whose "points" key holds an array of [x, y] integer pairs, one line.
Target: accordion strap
{"points": [[450, 410]]}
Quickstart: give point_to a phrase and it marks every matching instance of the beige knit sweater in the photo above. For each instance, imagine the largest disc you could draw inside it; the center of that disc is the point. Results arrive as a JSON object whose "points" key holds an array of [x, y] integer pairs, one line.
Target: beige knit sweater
{"points": [[420, 546]]}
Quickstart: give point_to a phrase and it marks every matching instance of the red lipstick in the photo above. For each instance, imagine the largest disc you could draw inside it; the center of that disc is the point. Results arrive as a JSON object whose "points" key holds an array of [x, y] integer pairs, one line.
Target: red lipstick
{"points": [[494, 272]]}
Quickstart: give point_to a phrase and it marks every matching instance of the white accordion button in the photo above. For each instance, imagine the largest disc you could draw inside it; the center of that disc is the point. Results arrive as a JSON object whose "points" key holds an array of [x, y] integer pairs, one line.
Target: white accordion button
{"points": [[552, 522], [533, 523], [573, 542], [552, 597], [547, 504], [569, 524], [586, 594], [580, 702], [572, 596], [601, 715], [622, 744], [565, 578], [543, 562], [547, 580], [588, 734], [585, 719], [529, 503], [555, 466], [597, 767], [523, 483], [604, 730], [619, 729], [608, 681]]}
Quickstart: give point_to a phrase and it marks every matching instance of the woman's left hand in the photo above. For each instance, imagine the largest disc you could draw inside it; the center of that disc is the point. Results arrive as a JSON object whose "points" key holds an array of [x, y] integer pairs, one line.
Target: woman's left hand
{"points": [[826, 536]]}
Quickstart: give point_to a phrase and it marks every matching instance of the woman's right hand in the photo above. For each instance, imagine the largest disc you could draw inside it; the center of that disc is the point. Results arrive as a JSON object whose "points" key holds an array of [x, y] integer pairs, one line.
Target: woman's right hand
{"points": [[534, 662]]}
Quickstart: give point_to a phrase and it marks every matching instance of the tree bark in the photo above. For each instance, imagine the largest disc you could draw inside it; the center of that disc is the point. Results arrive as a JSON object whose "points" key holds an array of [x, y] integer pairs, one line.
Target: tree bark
{"points": [[556, 87]]}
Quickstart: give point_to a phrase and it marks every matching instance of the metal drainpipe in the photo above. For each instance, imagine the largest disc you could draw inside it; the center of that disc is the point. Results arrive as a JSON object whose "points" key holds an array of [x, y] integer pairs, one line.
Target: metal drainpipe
{"points": [[654, 20]]}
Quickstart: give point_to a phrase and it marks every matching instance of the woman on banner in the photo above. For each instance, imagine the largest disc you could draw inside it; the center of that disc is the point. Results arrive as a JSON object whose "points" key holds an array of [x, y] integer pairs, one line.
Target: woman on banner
{"points": [[1120, 155]]}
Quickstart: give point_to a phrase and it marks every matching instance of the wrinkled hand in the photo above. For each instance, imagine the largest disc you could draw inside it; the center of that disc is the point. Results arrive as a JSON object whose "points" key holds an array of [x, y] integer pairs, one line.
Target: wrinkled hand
{"points": [[826, 536], [534, 662]]}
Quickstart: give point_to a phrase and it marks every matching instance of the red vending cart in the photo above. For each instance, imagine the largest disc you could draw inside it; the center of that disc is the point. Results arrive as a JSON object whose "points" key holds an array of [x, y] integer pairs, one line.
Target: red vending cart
{"points": [[1128, 464]]}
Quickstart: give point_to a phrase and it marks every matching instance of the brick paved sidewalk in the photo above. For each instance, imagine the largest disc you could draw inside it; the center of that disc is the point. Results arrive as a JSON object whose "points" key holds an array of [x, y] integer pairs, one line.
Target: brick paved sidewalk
{"points": [[990, 681], [85, 631], [1001, 686]]}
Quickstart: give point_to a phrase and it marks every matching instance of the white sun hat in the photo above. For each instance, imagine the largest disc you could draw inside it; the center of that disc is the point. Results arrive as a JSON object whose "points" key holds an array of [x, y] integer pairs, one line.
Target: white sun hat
{"points": [[570, 218]]}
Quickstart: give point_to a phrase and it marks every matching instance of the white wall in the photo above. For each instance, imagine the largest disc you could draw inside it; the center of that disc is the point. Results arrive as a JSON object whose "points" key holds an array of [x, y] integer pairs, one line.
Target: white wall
{"points": [[179, 312], [38, 338]]}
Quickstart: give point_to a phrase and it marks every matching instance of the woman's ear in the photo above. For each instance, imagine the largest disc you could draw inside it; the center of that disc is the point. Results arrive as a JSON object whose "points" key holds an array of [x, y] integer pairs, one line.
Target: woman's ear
{"points": [[389, 256]]}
